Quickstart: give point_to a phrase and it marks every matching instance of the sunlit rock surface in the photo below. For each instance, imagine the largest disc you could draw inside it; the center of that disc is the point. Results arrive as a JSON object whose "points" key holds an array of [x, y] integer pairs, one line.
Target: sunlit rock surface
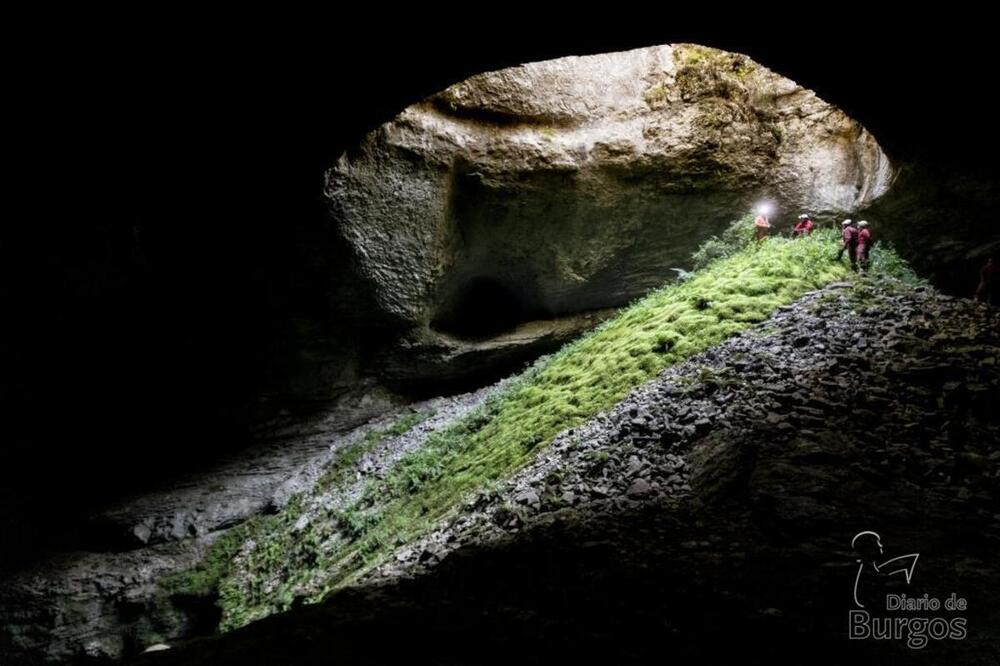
{"points": [[578, 183]]}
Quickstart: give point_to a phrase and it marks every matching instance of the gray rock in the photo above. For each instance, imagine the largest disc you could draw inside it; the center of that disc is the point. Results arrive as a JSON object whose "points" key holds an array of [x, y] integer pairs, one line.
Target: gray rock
{"points": [[95, 604], [635, 465], [159, 647], [528, 498], [575, 184], [101, 603], [639, 488], [935, 456]]}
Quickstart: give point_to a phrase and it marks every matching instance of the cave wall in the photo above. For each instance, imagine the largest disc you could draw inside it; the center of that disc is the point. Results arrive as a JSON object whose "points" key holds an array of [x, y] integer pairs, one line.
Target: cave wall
{"points": [[944, 220], [118, 366], [579, 183]]}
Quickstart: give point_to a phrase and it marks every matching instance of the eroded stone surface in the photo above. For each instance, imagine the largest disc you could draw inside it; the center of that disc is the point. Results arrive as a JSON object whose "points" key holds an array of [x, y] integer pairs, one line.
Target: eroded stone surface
{"points": [[578, 183]]}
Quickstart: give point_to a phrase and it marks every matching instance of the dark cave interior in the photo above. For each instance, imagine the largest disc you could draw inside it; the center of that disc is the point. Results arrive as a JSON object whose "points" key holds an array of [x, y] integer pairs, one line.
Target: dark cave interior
{"points": [[482, 307], [174, 219]]}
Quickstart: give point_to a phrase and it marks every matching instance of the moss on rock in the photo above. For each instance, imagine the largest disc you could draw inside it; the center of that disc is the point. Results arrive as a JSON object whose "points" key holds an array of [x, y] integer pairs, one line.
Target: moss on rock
{"points": [[285, 559]]}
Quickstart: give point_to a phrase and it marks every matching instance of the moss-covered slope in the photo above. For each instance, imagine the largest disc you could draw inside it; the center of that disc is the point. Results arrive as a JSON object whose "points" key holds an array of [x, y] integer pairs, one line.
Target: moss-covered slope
{"points": [[316, 545]]}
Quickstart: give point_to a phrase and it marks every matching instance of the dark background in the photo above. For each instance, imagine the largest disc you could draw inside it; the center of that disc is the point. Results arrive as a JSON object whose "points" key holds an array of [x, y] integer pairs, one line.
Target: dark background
{"points": [[166, 175]]}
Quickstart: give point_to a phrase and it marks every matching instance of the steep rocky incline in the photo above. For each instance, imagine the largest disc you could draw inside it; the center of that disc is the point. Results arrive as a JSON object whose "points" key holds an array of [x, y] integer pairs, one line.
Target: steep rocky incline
{"points": [[717, 499], [860, 406], [848, 388], [107, 601]]}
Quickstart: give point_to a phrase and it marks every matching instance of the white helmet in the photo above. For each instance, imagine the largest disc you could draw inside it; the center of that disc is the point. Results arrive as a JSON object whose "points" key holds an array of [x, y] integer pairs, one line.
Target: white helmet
{"points": [[804, 216], [845, 223], [863, 223]]}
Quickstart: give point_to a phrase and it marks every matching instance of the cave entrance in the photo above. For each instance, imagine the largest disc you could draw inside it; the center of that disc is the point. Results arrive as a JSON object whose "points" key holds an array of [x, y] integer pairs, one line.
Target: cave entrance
{"points": [[481, 307]]}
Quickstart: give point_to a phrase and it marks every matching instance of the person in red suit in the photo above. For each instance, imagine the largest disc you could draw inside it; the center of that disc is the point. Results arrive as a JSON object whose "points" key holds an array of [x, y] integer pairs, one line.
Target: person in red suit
{"points": [[986, 274], [864, 246], [850, 243], [803, 227]]}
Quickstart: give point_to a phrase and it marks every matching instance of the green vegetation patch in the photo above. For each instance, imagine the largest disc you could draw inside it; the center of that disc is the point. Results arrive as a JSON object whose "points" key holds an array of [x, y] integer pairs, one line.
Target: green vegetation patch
{"points": [[274, 538], [707, 72], [339, 471], [292, 557], [203, 579]]}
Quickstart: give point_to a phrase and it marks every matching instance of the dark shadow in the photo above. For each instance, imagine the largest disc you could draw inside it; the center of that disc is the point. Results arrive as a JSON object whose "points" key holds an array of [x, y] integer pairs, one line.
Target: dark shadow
{"points": [[639, 587], [481, 307]]}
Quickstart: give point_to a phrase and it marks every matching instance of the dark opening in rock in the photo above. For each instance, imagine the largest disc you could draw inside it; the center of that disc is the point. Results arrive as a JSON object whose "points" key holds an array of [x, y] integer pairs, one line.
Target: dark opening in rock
{"points": [[481, 307]]}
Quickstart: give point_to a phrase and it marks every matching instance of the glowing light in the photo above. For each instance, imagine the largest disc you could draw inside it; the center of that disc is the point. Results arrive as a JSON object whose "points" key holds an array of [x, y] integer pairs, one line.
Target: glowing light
{"points": [[764, 208]]}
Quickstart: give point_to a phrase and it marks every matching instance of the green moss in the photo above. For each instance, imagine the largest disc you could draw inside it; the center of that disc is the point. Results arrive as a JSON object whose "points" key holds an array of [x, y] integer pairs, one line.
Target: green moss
{"points": [[655, 96], [733, 290], [206, 578], [736, 238], [547, 133], [742, 67], [203, 579], [886, 261], [722, 62], [695, 54], [704, 72], [286, 549], [273, 535], [343, 465]]}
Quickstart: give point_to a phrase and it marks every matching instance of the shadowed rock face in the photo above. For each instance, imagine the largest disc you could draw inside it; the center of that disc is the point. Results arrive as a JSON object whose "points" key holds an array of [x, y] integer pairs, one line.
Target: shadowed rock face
{"points": [[578, 183], [724, 491], [718, 522], [942, 220]]}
